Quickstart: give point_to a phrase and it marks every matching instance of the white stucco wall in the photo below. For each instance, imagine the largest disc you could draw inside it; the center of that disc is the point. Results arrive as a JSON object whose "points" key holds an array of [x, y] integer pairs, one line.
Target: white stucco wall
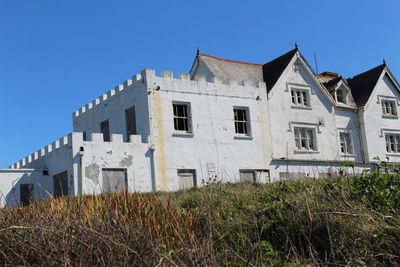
{"points": [[376, 124]]}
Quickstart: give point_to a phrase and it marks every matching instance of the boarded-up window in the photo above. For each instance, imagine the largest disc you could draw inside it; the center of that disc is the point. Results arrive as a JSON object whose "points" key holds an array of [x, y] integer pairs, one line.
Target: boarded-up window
{"points": [[60, 184], [130, 120], [292, 175], [247, 175], [187, 179], [115, 180], [27, 194], [105, 130]]}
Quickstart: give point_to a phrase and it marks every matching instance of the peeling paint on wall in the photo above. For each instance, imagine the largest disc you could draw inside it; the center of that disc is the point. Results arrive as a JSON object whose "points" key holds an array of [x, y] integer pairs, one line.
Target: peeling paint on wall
{"points": [[92, 172], [126, 162]]}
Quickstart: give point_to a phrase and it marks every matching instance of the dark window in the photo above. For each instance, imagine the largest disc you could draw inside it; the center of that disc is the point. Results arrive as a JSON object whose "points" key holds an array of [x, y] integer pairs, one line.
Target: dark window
{"points": [[182, 117], [115, 180], [341, 96], [130, 120], [84, 136], [27, 194], [60, 184], [241, 121], [187, 178], [105, 130]]}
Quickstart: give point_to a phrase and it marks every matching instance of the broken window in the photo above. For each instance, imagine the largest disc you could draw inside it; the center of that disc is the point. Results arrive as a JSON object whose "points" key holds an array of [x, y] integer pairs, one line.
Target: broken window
{"points": [[300, 97], [392, 143], [115, 180], [186, 178], [242, 124], [27, 194], [105, 130], [130, 120], [389, 107], [346, 145], [60, 184], [182, 121], [304, 139]]}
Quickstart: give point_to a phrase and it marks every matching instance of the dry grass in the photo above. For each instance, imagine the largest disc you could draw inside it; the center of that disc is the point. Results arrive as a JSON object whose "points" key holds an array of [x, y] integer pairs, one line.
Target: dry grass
{"points": [[320, 222]]}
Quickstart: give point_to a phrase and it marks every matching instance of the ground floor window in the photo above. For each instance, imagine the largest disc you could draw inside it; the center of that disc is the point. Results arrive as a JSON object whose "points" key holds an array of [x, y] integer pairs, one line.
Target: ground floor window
{"points": [[27, 194], [305, 139], [251, 175], [392, 143], [115, 180], [60, 184], [186, 178], [346, 144]]}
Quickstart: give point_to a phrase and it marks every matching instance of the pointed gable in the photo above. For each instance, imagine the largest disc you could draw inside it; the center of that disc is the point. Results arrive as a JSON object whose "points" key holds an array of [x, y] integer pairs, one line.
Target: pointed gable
{"points": [[274, 69], [363, 84]]}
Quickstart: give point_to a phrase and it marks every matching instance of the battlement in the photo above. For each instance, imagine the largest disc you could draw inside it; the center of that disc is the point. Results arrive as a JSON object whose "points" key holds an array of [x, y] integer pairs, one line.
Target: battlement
{"points": [[149, 77], [66, 143]]}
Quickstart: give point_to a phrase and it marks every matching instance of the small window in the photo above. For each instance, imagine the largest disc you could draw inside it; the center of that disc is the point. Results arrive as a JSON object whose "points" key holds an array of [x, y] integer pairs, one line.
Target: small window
{"points": [[305, 139], [392, 143], [186, 179], [300, 98], [182, 120], [60, 184], [247, 175], [105, 130], [130, 120], [389, 108], [346, 145], [242, 123], [84, 135], [27, 194], [341, 96]]}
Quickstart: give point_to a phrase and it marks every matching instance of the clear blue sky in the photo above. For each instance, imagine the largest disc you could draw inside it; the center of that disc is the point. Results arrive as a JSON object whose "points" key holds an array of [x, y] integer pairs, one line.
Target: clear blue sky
{"points": [[56, 56]]}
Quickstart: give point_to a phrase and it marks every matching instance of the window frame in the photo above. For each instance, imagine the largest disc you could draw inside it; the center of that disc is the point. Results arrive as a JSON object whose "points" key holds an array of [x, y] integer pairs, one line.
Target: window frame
{"points": [[396, 143], [300, 97], [344, 96], [298, 139], [188, 118], [345, 144], [392, 108], [246, 122]]}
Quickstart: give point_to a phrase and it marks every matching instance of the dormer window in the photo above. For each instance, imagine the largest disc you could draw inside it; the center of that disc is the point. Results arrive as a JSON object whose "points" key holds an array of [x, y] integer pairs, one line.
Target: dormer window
{"points": [[341, 96], [389, 108]]}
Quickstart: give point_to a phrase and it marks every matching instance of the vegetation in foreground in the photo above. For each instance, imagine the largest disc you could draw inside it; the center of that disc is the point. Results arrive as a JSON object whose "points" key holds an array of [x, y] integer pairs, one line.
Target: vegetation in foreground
{"points": [[336, 221]]}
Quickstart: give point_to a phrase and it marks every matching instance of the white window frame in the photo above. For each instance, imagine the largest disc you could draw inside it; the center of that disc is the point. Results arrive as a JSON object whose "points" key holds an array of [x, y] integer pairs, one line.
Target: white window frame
{"points": [[300, 97], [344, 144], [389, 107], [344, 96], [188, 117], [392, 141], [246, 122], [305, 139]]}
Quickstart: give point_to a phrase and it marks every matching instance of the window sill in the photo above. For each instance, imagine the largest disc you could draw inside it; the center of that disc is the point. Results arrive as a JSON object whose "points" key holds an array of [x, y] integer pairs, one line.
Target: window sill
{"points": [[393, 154], [306, 151], [182, 134], [301, 107], [390, 116], [347, 155], [243, 137]]}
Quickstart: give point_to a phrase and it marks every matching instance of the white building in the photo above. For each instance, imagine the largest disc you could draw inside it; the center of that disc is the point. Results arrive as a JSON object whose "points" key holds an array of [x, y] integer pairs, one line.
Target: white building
{"points": [[225, 121]]}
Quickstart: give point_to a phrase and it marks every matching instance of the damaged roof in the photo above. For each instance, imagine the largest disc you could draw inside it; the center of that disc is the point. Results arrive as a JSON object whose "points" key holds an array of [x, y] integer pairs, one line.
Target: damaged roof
{"points": [[363, 84], [273, 69], [226, 69]]}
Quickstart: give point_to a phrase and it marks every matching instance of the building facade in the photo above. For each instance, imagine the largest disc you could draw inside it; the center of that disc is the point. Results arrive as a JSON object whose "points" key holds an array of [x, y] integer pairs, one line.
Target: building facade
{"points": [[224, 121]]}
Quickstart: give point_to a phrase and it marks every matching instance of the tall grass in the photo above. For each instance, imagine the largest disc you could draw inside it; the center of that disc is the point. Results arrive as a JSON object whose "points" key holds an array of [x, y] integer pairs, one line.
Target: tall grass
{"points": [[337, 221]]}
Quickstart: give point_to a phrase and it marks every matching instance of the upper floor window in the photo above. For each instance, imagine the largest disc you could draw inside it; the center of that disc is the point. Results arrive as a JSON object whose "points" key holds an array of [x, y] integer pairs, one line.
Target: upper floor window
{"points": [[130, 121], [105, 130], [389, 107], [300, 97], [346, 145], [182, 120], [242, 122], [392, 143], [305, 139], [341, 96]]}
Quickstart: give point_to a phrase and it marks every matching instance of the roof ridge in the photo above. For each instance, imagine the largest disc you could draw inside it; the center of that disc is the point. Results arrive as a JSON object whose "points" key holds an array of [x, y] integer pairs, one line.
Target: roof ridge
{"points": [[230, 60], [373, 69]]}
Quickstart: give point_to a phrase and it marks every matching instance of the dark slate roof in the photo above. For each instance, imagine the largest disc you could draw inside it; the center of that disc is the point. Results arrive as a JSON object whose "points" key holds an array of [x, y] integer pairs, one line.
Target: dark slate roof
{"points": [[363, 84], [273, 69], [226, 69], [332, 82]]}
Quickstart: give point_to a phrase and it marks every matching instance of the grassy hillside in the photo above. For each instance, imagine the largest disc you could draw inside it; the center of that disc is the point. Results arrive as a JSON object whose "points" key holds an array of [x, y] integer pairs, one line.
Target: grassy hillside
{"points": [[338, 221]]}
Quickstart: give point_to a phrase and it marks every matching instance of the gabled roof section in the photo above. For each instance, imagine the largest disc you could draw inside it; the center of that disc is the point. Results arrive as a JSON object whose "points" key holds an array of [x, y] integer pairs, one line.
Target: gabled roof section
{"points": [[274, 69], [333, 82], [226, 69], [363, 84]]}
